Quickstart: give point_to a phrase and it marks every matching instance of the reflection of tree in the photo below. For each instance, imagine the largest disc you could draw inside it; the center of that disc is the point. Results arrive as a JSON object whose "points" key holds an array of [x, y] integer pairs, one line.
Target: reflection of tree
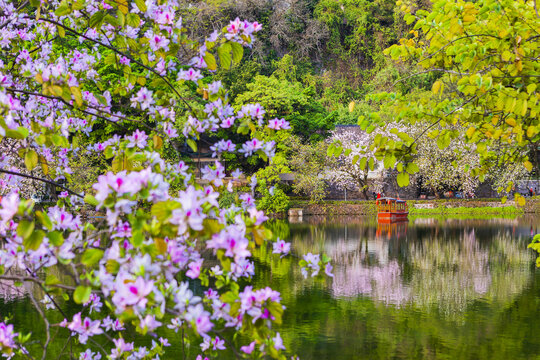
{"points": [[491, 316], [451, 274], [432, 266], [9, 291]]}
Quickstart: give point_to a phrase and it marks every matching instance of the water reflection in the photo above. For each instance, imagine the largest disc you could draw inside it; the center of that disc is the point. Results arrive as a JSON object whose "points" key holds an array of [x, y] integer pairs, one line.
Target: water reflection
{"points": [[427, 289], [443, 264], [9, 291]]}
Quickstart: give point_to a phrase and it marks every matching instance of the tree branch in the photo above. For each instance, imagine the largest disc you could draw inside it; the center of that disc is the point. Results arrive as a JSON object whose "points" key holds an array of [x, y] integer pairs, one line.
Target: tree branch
{"points": [[47, 325], [41, 179], [67, 28]]}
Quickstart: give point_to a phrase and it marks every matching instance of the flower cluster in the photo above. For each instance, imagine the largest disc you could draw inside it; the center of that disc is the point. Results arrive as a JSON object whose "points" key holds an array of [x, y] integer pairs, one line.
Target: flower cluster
{"points": [[136, 267], [7, 339]]}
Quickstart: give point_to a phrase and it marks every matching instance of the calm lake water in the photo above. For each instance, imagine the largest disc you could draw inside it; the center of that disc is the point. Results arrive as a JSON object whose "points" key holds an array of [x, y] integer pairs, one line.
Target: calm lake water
{"points": [[444, 288]]}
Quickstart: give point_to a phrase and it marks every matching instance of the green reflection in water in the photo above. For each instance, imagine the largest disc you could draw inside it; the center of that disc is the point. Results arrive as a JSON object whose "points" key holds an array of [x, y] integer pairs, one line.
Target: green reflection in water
{"points": [[441, 288], [430, 289]]}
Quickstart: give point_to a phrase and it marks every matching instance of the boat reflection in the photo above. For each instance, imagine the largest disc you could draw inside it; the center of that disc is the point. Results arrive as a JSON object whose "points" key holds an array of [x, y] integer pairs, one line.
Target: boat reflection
{"points": [[392, 230]]}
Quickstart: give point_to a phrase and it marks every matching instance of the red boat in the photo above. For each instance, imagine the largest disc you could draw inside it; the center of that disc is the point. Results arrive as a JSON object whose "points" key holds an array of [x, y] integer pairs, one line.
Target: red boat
{"points": [[391, 210]]}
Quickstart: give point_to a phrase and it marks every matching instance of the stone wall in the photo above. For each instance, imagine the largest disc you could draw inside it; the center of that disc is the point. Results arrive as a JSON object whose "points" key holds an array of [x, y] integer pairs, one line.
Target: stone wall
{"points": [[368, 207]]}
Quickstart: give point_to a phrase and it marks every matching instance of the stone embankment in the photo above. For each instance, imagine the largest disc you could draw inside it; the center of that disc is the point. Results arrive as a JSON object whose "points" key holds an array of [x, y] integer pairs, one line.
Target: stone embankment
{"points": [[417, 206]]}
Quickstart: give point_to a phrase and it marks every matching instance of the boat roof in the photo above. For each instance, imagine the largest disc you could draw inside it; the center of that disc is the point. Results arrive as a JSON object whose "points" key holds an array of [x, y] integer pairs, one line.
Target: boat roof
{"points": [[392, 199]]}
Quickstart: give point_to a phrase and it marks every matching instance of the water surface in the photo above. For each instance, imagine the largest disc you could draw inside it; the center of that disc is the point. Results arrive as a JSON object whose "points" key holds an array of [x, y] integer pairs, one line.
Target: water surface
{"points": [[432, 288], [443, 288]]}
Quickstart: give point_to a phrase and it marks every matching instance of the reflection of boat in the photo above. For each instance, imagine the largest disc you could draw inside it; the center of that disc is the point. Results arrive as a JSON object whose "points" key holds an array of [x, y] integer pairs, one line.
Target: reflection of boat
{"points": [[397, 229], [391, 210]]}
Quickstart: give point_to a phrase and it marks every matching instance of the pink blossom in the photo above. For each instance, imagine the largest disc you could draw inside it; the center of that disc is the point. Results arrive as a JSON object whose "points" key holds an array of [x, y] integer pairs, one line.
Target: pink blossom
{"points": [[281, 247], [215, 174], [278, 342], [10, 206], [144, 99], [150, 323], [189, 75], [94, 302], [131, 293], [89, 355], [194, 269], [121, 347], [214, 87], [278, 124], [63, 220], [200, 318], [251, 146], [7, 337], [328, 270], [248, 349], [84, 328], [137, 139]]}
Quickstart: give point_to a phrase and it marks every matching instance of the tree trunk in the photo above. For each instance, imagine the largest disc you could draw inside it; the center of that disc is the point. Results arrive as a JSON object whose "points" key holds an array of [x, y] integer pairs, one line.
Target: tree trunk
{"points": [[363, 186]]}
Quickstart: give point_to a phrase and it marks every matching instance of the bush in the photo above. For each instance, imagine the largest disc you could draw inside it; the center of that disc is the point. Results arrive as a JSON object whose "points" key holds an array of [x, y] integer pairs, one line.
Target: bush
{"points": [[276, 203]]}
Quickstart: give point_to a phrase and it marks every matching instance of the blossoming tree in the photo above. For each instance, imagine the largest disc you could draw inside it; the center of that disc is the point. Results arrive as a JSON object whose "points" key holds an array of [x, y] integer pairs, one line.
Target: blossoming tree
{"points": [[350, 169], [132, 270]]}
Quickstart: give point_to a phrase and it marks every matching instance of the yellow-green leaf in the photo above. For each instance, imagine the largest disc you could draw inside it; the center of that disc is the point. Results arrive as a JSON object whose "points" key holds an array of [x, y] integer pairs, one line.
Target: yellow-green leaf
{"points": [[30, 159], [403, 179], [436, 87], [82, 294]]}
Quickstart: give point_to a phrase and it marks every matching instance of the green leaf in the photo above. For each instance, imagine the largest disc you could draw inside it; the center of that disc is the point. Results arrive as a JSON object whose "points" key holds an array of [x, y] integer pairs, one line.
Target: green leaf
{"points": [[225, 58], [330, 150], [51, 279], [363, 163], [25, 228], [20, 133], [163, 210], [56, 238], [44, 219], [192, 144], [141, 5], [62, 9], [123, 6], [158, 142], [133, 20], [91, 257], [276, 309], [91, 200], [121, 162], [61, 31], [210, 61], [77, 95], [412, 168], [237, 52], [137, 238], [520, 200], [389, 161], [443, 141], [82, 294], [403, 179], [30, 159], [34, 241]]}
